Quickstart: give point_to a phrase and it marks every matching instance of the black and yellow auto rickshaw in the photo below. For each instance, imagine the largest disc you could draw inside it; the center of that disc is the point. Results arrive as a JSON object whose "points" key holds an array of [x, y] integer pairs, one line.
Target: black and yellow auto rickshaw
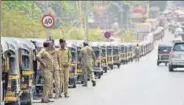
{"points": [[80, 76], [73, 71], [97, 66], [116, 54], [124, 53], [38, 80], [11, 72], [27, 55], [109, 55], [103, 56], [163, 53]]}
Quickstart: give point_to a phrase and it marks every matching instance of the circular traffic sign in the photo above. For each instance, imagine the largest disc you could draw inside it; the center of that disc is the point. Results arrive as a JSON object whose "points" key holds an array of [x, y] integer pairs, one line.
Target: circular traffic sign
{"points": [[107, 35], [48, 21]]}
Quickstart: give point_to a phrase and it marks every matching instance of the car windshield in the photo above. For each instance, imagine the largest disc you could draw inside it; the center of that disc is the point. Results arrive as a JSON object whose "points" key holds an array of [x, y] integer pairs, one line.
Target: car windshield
{"points": [[165, 49], [178, 47]]}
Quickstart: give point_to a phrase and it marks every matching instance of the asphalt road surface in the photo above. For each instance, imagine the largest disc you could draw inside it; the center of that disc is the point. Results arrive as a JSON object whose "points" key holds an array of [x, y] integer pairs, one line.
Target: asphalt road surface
{"points": [[142, 83]]}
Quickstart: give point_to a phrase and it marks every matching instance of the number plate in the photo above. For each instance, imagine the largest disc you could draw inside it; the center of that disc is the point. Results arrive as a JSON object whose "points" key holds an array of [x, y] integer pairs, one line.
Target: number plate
{"points": [[79, 71]]}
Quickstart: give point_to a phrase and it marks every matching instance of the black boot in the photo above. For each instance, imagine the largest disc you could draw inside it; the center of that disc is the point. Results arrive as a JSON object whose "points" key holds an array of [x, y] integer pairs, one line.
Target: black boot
{"points": [[44, 101], [66, 95], [93, 83]]}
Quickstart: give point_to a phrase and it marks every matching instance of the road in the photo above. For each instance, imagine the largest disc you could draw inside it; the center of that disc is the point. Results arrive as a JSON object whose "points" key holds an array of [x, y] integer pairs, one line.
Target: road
{"points": [[140, 83]]}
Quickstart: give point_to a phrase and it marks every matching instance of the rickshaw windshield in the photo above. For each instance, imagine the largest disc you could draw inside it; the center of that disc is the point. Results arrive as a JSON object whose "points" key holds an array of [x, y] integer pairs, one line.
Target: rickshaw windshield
{"points": [[25, 62], [3, 64], [122, 49], [115, 51], [73, 56], [109, 51], [97, 54], [165, 49], [12, 65], [103, 52]]}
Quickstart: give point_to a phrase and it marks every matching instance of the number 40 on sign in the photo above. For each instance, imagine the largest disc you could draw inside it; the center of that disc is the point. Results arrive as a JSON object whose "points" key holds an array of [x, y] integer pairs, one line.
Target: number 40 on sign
{"points": [[48, 21]]}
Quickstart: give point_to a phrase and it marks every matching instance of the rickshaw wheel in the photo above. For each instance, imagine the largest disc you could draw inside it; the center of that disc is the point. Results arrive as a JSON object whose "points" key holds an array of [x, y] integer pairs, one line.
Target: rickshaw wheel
{"points": [[170, 68], [29, 103], [74, 85], [18, 102], [118, 65], [158, 63], [111, 67]]}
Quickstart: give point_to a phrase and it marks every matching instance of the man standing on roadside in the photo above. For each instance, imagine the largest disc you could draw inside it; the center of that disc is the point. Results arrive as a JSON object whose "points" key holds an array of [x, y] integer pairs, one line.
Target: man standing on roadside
{"points": [[46, 64], [87, 59], [56, 76], [64, 61]]}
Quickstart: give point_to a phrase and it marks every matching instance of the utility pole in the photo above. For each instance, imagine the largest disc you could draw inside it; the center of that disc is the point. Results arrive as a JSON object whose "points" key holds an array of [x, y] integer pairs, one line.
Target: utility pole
{"points": [[86, 20], [1, 82]]}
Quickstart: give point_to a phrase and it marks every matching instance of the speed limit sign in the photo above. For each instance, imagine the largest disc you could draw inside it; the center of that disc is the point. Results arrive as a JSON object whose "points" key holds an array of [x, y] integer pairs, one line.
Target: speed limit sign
{"points": [[48, 21]]}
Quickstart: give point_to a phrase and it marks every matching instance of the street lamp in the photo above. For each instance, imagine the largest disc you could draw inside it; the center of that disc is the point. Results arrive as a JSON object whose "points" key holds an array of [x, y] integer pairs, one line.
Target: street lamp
{"points": [[1, 87]]}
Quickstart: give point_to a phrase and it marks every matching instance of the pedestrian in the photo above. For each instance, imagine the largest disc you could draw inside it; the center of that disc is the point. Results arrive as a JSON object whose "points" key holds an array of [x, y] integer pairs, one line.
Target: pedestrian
{"points": [[46, 64], [56, 76], [64, 61], [137, 53], [87, 59]]}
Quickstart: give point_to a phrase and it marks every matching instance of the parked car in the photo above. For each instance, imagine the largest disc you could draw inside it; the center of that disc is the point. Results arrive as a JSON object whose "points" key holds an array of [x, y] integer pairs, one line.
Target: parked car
{"points": [[176, 56]]}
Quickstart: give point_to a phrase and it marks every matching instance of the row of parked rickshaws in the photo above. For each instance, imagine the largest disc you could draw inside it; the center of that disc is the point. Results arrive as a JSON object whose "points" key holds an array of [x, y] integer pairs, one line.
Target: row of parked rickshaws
{"points": [[20, 80]]}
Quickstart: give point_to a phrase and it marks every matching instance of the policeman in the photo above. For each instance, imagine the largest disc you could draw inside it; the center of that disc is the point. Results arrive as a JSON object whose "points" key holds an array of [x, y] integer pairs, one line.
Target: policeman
{"points": [[56, 75], [64, 61], [87, 58], [137, 53], [46, 64]]}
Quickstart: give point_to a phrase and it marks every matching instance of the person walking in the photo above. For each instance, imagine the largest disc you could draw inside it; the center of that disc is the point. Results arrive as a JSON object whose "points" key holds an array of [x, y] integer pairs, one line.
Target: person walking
{"points": [[56, 76], [46, 64], [64, 61], [87, 59], [137, 53]]}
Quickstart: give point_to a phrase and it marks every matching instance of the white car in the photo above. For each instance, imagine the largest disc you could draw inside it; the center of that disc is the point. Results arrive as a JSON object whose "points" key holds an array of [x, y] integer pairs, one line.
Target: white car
{"points": [[178, 31], [176, 56]]}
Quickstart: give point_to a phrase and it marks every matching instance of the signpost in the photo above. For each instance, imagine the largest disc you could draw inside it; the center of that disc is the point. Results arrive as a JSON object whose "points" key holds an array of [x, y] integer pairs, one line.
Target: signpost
{"points": [[48, 22], [107, 35]]}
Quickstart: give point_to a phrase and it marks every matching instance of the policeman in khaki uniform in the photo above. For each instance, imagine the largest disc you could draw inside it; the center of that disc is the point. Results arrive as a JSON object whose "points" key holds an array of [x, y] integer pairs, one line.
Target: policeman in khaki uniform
{"points": [[46, 64], [56, 75], [64, 61], [87, 59], [137, 53]]}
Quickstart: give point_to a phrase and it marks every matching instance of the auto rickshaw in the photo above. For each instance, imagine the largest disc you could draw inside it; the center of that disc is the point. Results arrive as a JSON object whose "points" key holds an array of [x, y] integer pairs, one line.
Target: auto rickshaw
{"points": [[123, 53], [116, 54], [38, 80], [11, 72], [163, 53], [132, 49], [73, 71], [79, 66], [27, 55], [104, 56], [109, 55], [97, 67]]}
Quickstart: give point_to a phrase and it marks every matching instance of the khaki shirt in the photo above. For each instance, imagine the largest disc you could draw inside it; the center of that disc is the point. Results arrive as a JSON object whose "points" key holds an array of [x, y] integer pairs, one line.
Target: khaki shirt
{"points": [[86, 55], [47, 59], [64, 56], [54, 56]]}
